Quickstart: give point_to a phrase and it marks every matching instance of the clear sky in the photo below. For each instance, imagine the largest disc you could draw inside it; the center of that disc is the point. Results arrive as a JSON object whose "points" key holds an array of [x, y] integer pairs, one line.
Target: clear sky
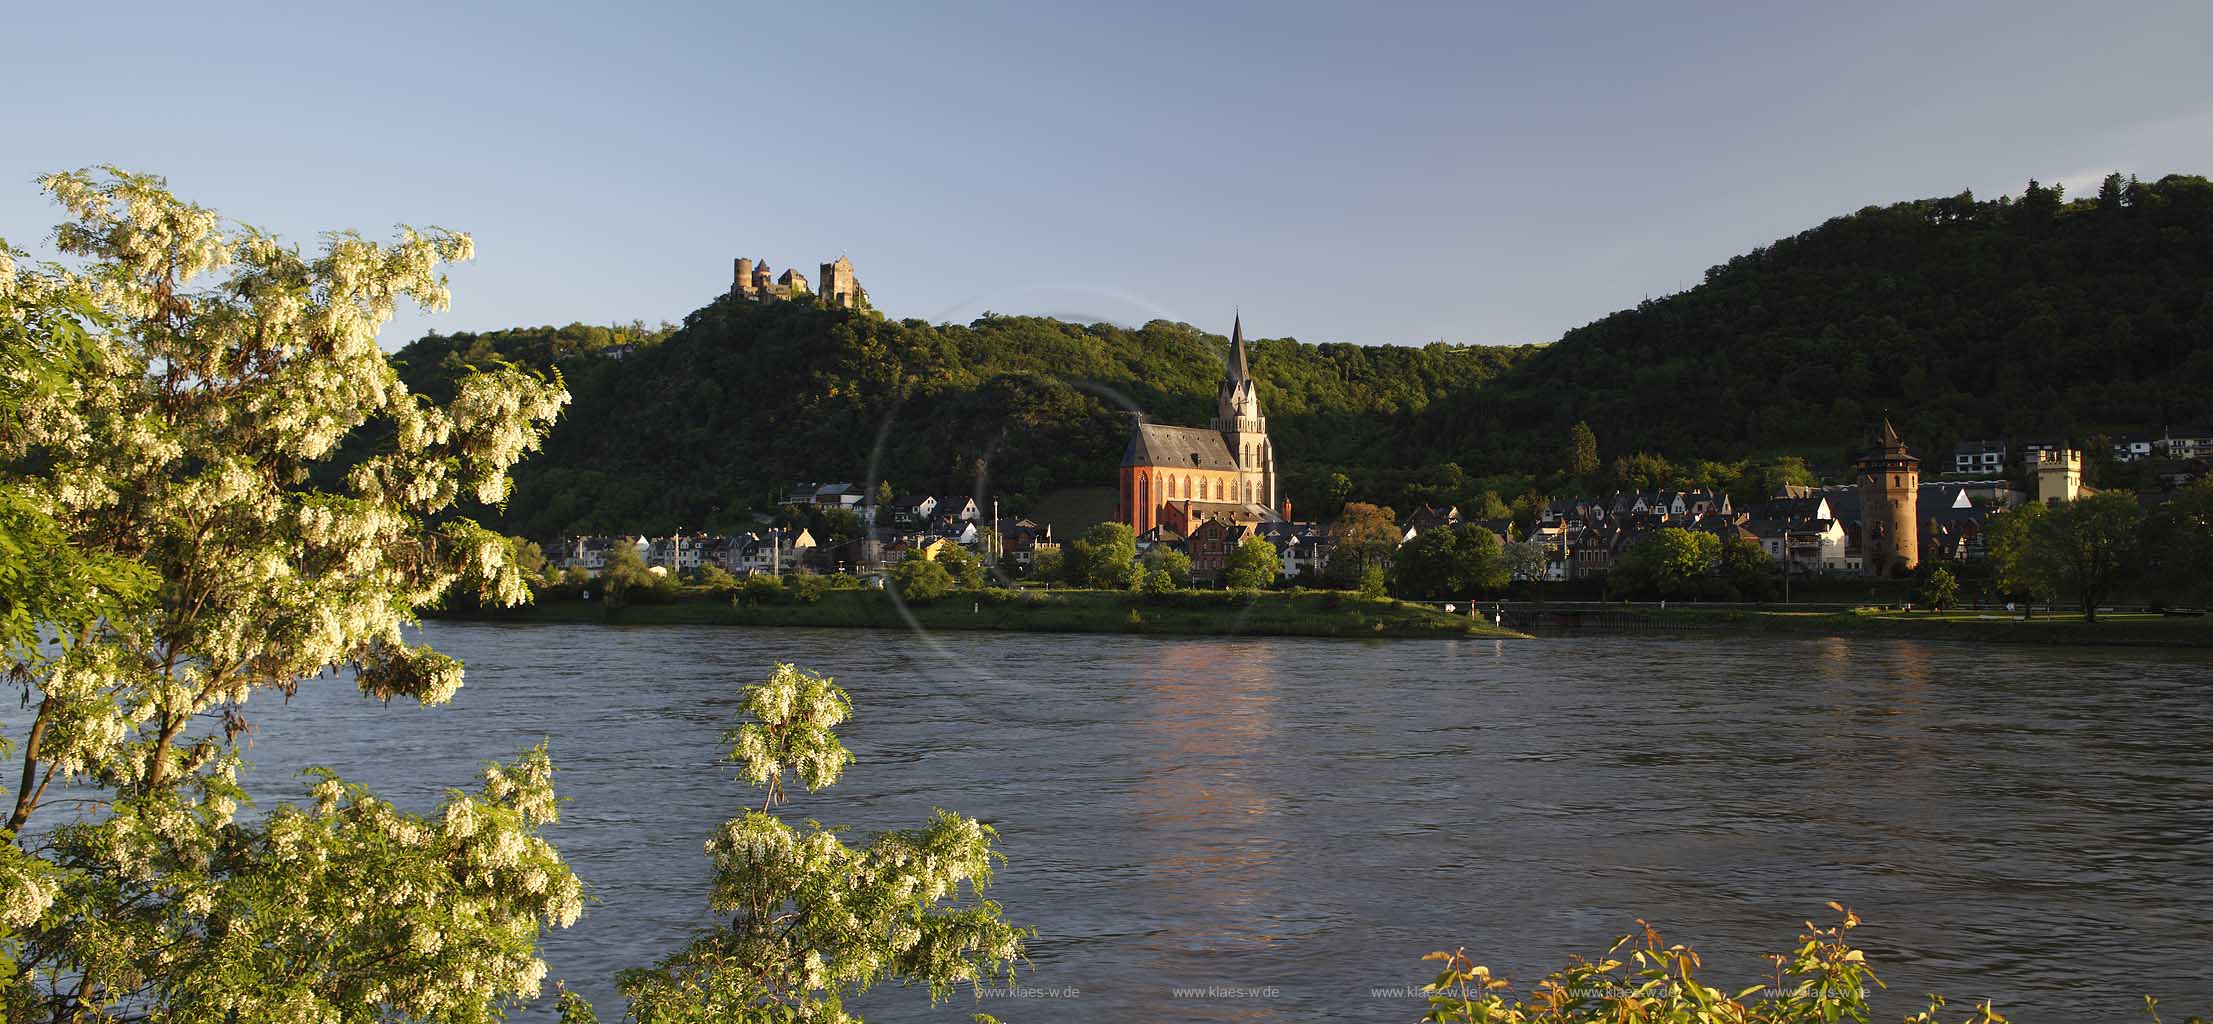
{"points": [[1343, 173]]}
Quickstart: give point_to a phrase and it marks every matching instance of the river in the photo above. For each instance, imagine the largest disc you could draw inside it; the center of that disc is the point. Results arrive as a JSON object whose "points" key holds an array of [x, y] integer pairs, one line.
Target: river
{"points": [[1293, 823]]}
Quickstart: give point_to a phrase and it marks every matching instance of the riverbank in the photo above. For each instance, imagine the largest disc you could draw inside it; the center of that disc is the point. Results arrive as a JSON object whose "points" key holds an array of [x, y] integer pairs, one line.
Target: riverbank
{"points": [[2124, 629], [1193, 613]]}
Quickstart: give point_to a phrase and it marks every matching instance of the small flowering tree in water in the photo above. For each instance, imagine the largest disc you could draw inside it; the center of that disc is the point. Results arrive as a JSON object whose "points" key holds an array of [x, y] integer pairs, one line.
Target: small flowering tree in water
{"points": [[180, 534], [813, 920]]}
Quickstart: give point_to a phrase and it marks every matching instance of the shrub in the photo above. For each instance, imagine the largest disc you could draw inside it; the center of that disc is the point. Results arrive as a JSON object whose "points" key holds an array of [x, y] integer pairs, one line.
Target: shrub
{"points": [[919, 580], [1252, 566], [760, 588], [717, 581], [1175, 564], [1821, 980], [806, 588], [1939, 591], [1103, 557], [965, 568]]}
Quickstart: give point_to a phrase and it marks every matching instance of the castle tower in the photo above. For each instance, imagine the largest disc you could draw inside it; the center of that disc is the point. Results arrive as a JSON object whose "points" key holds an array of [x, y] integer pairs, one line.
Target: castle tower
{"points": [[1244, 430], [742, 276], [1890, 515], [2059, 477], [840, 287]]}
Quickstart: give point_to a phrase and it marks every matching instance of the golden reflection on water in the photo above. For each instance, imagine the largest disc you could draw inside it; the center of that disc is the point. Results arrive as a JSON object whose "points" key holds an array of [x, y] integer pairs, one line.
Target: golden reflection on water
{"points": [[1888, 720], [1212, 826]]}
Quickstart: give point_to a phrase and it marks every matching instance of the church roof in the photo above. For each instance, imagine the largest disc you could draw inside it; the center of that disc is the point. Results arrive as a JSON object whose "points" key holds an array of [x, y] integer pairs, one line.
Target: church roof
{"points": [[1155, 444]]}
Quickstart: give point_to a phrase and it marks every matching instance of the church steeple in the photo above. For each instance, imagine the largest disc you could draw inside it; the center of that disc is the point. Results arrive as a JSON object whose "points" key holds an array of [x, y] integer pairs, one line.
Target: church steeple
{"points": [[1239, 370], [1244, 431]]}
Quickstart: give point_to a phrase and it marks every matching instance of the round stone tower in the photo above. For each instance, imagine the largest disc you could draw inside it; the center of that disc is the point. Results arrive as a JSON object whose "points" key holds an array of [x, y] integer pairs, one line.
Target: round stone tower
{"points": [[1890, 513]]}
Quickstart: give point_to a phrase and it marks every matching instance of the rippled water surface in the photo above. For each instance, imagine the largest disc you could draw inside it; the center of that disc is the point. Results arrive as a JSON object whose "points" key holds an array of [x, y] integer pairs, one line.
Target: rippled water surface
{"points": [[1304, 819]]}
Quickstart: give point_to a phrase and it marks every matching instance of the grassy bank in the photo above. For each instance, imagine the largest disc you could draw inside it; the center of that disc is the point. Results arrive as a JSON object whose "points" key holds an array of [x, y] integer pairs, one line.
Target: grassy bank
{"points": [[1198, 613], [2113, 629]]}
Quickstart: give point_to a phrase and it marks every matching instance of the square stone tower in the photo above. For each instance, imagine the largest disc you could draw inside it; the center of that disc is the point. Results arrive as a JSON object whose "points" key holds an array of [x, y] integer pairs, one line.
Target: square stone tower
{"points": [[839, 286], [2059, 476]]}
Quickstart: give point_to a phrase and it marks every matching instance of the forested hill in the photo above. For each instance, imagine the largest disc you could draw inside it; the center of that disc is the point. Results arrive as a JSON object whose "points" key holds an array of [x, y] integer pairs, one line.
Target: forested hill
{"points": [[1959, 318], [701, 426]]}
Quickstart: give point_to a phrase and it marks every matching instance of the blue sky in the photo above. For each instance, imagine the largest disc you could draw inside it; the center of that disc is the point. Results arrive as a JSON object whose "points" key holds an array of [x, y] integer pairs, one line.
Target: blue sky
{"points": [[1342, 173]]}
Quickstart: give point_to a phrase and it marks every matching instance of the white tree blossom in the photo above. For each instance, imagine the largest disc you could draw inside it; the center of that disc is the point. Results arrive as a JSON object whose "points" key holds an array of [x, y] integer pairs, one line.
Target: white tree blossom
{"points": [[813, 920], [207, 440]]}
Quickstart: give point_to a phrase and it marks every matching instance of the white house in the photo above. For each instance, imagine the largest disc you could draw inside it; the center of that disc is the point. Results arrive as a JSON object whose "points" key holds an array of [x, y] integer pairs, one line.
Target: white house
{"points": [[960, 506], [2187, 443], [1979, 457], [776, 551], [677, 552]]}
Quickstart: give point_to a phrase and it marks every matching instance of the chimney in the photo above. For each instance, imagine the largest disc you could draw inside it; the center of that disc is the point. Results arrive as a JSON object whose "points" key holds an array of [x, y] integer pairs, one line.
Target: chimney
{"points": [[1286, 510]]}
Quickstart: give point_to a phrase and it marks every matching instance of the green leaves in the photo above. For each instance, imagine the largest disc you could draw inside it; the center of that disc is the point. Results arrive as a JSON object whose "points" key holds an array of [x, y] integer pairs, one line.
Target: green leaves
{"points": [[2081, 548], [1823, 979], [1461, 561], [1669, 562], [814, 920], [1103, 557], [919, 579], [1253, 565]]}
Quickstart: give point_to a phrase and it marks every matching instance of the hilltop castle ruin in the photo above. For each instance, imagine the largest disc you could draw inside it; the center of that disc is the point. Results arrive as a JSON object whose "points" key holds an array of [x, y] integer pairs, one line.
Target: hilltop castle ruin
{"points": [[756, 283]]}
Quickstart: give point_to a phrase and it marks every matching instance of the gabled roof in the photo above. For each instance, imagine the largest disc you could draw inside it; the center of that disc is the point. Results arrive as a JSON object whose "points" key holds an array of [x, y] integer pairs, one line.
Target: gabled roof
{"points": [[1155, 444], [1430, 515]]}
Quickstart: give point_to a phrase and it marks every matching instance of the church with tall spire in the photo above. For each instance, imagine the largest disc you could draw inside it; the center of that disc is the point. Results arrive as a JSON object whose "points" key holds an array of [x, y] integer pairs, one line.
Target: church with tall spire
{"points": [[1182, 477]]}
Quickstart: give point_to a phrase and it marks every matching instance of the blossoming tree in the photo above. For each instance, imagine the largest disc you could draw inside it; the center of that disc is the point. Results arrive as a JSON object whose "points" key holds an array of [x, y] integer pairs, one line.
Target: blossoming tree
{"points": [[184, 535], [813, 920]]}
